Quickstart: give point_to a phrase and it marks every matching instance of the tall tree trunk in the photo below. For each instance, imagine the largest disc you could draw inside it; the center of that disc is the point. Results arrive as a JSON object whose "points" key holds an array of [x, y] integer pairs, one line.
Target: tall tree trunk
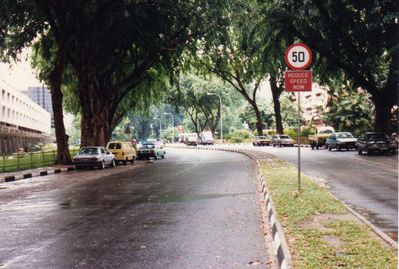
{"points": [[55, 78], [96, 118], [259, 124], [276, 92], [383, 115]]}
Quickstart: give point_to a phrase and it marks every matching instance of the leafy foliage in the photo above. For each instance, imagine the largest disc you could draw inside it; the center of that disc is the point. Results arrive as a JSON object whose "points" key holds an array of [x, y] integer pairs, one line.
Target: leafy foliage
{"points": [[350, 111]]}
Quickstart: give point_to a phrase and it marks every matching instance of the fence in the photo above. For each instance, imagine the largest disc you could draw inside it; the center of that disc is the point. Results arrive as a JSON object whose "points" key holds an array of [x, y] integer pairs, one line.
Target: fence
{"points": [[28, 160]]}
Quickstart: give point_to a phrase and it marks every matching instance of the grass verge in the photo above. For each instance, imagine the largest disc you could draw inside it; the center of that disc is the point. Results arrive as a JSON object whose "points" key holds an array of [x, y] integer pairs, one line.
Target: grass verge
{"points": [[320, 231]]}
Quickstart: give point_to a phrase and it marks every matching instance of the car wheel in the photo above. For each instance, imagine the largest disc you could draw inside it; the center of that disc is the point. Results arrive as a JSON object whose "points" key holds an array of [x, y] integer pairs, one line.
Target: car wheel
{"points": [[339, 148], [156, 157], [125, 161], [133, 159], [163, 156], [329, 147], [359, 151], [312, 146], [113, 163], [102, 165], [368, 151], [317, 146], [279, 145]]}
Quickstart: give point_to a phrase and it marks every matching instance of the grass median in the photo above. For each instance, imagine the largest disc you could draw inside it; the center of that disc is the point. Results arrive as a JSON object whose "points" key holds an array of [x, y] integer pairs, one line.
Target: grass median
{"points": [[320, 231]]}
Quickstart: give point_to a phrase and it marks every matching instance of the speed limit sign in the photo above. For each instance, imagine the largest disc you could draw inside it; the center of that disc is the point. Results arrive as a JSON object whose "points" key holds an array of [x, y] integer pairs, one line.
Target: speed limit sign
{"points": [[298, 56]]}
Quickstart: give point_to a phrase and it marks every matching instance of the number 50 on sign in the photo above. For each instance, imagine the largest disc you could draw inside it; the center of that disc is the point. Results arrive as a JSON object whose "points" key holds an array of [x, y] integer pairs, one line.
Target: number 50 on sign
{"points": [[298, 56]]}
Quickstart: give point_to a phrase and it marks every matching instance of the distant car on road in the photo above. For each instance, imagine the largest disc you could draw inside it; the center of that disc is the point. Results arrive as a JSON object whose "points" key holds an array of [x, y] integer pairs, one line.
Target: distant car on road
{"points": [[94, 157], [372, 142], [262, 140], [341, 140], [282, 140], [149, 150]]}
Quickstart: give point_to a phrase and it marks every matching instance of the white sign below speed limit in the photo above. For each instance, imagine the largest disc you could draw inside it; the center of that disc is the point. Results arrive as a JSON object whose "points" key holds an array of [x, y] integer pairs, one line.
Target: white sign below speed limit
{"points": [[298, 56]]}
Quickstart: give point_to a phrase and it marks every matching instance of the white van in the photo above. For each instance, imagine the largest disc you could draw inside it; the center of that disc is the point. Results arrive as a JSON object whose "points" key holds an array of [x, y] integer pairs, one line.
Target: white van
{"points": [[191, 139], [206, 138]]}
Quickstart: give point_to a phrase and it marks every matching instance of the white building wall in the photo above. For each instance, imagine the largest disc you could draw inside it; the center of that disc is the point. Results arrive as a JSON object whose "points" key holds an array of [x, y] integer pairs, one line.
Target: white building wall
{"points": [[313, 104], [19, 110]]}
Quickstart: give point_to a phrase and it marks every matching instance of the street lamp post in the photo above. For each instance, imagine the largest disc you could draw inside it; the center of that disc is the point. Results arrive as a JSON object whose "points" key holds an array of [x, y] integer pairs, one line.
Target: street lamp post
{"points": [[221, 118], [160, 128], [173, 125]]}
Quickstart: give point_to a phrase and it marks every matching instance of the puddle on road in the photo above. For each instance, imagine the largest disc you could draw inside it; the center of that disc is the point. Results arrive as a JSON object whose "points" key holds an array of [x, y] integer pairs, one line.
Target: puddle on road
{"points": [[195, 197]]}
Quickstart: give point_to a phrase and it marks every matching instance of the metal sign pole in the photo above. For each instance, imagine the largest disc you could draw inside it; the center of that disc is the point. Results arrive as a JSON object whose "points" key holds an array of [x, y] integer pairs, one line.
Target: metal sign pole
{"points": [[299, 142]]}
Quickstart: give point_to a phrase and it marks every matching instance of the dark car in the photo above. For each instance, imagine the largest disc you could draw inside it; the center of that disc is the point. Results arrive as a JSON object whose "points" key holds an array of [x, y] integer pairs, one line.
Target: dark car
{"points": [[372, 142]]}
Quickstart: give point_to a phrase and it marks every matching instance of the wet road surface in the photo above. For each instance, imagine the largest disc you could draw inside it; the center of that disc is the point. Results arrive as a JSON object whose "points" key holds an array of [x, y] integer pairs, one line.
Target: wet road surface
{"points": [[367, 183], [195, 209]]}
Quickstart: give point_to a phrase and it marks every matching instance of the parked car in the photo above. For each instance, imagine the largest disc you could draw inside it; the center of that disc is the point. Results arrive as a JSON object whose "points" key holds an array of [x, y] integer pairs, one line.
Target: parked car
{"points": [[341, 140], [282, 140], [94, 156], [262, 140], [151, 149], [124, 151], [372, 142]]}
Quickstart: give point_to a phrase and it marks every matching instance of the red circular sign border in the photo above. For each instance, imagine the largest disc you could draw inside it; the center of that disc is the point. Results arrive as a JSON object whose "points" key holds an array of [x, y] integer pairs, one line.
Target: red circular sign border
{"points": [[300, 45]]}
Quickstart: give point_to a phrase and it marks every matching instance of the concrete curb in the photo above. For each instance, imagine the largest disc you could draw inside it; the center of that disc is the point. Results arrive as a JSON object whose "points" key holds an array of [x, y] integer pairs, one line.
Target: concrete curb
{"points": [[35, 174], [280, 245]]}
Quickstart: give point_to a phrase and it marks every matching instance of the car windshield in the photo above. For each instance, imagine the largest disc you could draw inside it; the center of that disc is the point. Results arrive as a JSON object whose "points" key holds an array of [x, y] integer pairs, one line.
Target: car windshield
{"points": [[115, 146], [148, 146], [377, 136], [89, 151], [344, 135], [325, 131], [284, 137]]}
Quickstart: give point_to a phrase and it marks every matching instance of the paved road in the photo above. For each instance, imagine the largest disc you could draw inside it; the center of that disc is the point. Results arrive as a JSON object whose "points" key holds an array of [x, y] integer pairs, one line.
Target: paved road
{"points": [[369, 184], [195, 209]]}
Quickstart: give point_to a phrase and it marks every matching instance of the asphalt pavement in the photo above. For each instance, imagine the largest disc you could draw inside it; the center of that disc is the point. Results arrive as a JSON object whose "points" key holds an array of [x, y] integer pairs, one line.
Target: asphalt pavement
{"points": [[366, 183], [194, 209]]}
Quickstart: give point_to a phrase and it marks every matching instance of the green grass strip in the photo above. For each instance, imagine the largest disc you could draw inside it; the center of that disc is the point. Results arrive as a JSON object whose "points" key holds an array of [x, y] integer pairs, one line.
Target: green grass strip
{"points": [[334, 243]]}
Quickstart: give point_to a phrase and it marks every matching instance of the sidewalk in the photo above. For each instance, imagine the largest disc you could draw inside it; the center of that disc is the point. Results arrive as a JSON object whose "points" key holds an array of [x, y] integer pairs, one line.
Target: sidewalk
{"points": [[42, 171]]}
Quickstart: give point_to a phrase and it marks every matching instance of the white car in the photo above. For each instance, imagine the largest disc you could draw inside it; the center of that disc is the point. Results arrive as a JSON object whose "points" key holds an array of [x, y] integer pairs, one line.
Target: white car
{"points": [[94, 157]]}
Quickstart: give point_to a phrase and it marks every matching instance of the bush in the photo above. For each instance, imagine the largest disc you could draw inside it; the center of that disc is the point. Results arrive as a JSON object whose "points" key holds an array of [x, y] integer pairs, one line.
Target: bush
{"points": [[238, 136]]}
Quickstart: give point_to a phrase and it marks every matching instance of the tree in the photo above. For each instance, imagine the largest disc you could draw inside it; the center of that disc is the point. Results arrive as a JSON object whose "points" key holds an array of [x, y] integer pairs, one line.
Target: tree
{"points": [[202, 110], [49, 59], [234, 56], [112, 46], [357, 37], [350, 111]]}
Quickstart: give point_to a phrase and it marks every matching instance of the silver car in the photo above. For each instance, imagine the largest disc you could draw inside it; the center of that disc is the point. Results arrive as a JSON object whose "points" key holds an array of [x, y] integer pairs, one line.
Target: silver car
{"points": [[94, 157], [282, 140]]}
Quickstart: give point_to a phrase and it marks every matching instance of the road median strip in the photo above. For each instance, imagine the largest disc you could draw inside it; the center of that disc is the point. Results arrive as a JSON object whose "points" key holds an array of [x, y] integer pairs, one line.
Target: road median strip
{"points": [[321, 231]]}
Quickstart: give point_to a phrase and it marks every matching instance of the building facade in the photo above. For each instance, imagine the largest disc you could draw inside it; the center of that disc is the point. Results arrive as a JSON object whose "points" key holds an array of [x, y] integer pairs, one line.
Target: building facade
{"points": [[22, 121], [42, 97], [314, 104]]}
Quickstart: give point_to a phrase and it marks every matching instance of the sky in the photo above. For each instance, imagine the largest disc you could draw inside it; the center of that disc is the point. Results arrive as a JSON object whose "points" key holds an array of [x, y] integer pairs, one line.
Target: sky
{"points": [[20, 75]]}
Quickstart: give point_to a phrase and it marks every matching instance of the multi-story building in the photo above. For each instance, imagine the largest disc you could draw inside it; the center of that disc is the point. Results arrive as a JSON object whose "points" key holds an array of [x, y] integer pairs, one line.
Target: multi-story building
{"points": [[22, 121], [314, 104], [42, 97]]}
